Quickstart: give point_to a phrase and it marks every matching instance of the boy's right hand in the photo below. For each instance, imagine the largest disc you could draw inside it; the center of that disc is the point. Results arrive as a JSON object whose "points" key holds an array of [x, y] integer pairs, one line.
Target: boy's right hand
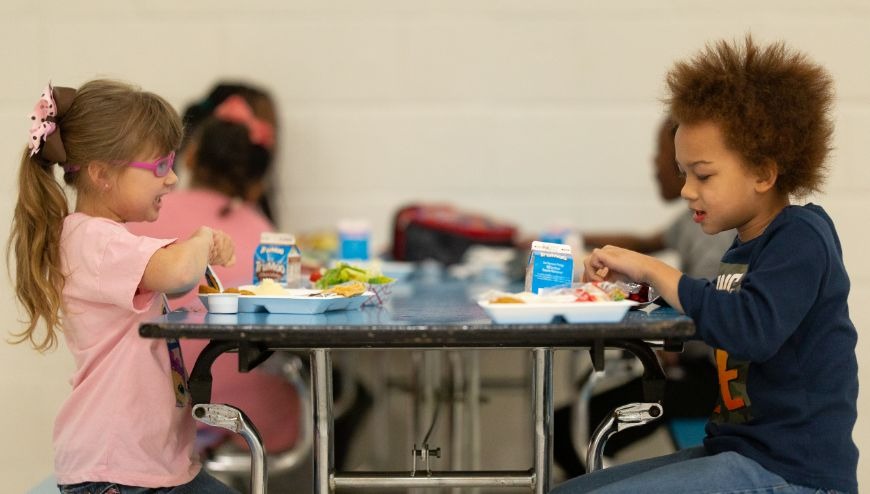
{"points": [[611, 263], [222, 251]]}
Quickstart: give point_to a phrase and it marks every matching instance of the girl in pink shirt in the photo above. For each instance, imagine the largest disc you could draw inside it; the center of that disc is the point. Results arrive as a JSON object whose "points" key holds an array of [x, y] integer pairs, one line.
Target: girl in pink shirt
{"points": [[126, 424]]}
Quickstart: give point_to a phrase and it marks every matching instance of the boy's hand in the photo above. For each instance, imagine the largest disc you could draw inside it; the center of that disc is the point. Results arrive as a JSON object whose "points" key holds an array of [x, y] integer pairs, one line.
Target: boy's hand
{"points": [[611, 263], [222, 251]]}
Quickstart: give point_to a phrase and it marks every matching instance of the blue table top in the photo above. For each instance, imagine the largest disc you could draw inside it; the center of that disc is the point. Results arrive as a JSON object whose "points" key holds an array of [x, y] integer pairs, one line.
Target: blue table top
{"points": [[418, 315]]}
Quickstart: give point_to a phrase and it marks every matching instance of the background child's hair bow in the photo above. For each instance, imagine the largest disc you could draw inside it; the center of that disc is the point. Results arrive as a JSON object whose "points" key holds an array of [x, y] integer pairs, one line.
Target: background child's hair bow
{"points": [[236, 110], [45, 139]]}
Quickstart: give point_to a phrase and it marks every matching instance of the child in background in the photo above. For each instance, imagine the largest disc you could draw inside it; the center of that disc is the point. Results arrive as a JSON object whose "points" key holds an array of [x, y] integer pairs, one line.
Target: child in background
{"points": [[691, 390], [127, 423], [228, 154], [262, 158], [699, 253], [753, 131]]}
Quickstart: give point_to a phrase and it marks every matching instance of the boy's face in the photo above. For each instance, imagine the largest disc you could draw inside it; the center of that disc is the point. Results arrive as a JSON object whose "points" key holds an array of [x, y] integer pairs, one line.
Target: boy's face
{"points": [[722, 192]]}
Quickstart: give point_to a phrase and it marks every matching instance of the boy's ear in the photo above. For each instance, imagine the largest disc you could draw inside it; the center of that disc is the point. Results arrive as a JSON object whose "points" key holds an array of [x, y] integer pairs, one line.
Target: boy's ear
{"points": [[766, 176]]}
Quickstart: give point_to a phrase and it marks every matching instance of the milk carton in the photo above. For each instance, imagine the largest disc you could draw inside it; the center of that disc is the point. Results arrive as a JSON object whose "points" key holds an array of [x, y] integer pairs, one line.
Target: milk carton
{"points": [[550, 266], [278, 258], [563, 233], [353, 240]]}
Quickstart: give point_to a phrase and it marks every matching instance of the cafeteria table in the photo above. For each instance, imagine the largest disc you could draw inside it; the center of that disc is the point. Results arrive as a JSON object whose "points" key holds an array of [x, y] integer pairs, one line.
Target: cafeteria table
{"points": [[422, 315]]}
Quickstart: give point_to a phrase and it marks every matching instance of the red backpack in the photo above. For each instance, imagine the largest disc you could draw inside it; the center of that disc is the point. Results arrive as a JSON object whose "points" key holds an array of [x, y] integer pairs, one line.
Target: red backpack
{"points": [[443, 233]]}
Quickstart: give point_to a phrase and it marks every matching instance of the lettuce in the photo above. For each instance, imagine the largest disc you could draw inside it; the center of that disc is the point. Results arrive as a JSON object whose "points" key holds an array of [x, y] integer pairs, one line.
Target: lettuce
{"points": [[344, 272]]}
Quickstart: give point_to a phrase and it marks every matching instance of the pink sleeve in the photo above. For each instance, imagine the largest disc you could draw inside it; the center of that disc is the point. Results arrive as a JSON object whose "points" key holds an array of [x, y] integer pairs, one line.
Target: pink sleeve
{"points": [[123, 264]]}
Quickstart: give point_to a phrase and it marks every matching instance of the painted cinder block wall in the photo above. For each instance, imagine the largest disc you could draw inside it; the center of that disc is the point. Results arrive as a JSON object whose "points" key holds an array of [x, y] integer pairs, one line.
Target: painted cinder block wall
{"points": [[534, 112]]}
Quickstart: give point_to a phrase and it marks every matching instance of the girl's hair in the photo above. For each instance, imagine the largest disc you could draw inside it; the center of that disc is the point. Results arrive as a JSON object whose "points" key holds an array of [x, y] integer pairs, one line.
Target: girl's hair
{"points": [[197, 113], [771, 103], [107, 121], [226, 159]]}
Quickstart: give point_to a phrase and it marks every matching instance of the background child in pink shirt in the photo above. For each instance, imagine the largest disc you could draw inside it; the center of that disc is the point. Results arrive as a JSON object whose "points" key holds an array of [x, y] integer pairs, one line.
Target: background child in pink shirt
{"points": [[227, 154], [127, 423]]}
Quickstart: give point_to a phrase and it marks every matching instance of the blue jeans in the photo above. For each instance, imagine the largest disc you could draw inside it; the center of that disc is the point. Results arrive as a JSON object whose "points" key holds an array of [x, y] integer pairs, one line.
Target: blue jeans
{"points": [[203, 483], [686, 471]]}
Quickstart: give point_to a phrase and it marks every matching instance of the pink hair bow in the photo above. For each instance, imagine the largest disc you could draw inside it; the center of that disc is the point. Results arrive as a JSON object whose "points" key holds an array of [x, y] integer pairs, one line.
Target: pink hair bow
{"points": [[42, 120], [236, 110]]}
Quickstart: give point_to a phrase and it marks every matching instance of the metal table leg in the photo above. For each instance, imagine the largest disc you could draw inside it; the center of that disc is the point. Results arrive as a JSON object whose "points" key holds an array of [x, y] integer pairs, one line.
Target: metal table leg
{"points": [[321, 388], [456, 396], [543, 414]]}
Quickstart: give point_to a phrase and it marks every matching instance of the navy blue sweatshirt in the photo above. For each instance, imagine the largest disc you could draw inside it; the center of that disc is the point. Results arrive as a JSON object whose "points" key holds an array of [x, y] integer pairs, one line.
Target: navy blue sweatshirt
{"points": [[778, 318]]}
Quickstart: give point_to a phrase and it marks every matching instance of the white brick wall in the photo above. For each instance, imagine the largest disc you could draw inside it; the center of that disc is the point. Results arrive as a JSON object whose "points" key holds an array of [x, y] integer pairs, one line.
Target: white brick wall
{"points": [[389, 101]]}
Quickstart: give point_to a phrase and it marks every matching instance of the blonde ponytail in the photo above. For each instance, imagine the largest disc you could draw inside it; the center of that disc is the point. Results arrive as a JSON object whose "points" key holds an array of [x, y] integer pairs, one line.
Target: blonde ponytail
{"points": [[35, 241]]}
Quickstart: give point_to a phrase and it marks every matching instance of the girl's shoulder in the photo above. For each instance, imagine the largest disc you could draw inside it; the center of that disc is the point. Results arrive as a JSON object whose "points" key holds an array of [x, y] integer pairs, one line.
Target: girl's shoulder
{"points": [[83, 224]]}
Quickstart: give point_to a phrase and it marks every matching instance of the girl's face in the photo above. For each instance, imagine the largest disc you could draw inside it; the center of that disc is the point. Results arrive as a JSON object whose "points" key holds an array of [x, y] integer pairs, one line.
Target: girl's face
{"points": [[136, 194], [722, 192]]}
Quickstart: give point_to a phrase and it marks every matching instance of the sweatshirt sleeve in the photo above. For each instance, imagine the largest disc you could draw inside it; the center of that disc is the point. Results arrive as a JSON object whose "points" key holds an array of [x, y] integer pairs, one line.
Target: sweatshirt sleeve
{"points": [[779, 286]]}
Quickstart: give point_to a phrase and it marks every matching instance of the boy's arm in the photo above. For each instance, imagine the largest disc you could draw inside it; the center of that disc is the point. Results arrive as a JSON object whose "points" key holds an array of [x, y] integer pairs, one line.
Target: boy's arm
{"points": [[615, 263], [666, 280]]}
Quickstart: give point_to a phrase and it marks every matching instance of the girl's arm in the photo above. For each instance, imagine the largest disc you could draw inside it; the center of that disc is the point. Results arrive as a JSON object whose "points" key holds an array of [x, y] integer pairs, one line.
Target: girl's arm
{"points": [[178, 267], [614, 263]]}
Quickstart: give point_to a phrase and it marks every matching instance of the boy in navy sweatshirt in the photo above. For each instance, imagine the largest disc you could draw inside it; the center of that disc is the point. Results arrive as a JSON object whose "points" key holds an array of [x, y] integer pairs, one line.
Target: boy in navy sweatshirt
{"points": [[753, 131]]}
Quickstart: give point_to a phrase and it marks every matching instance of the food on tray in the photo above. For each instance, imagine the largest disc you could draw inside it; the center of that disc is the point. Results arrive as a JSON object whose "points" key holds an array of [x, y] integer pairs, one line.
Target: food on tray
{"points": [[344, 272], [599, 291], [240, 291], [268, 286], [349, 289], [207, 289]]}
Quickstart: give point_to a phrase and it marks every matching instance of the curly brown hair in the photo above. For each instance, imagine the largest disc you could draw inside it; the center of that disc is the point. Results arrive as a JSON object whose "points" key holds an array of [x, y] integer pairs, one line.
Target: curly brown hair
{"points": [[771, 103]]}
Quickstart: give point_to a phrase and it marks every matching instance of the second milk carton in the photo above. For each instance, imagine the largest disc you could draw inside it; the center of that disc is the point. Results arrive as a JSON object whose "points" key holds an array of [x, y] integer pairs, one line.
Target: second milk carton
{"points": [[278, 258], [550, 266], [353, 240]]}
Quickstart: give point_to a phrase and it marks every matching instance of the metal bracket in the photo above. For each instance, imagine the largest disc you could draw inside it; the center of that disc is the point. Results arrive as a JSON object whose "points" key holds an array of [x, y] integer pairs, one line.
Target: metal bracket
{"points": [[635, 414], [621, 418], [233, 419], [425, 454]]}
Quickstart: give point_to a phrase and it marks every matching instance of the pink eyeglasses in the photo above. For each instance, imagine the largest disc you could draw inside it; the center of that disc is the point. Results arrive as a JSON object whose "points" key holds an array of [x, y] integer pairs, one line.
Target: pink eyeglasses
{"points": [[160, 167]]}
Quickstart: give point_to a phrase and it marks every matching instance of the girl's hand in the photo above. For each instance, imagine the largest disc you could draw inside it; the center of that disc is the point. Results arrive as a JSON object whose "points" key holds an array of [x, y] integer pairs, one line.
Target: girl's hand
{"points": [[222, 251]]}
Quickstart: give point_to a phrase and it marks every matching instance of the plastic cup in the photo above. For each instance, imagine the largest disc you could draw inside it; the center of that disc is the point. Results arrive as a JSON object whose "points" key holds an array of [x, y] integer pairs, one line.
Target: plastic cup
{"points": [[223, 303]]}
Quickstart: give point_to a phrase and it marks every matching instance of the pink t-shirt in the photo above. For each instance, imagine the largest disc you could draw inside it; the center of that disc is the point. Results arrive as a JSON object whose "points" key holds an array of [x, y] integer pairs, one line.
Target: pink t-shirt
{"points": [[120, 423], [268, 400]]}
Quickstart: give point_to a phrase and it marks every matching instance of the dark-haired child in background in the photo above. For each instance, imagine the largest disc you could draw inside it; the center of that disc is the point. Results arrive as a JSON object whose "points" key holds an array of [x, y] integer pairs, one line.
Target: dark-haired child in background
{"points": [[691, 390], [228, 153], [229, 150]]}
